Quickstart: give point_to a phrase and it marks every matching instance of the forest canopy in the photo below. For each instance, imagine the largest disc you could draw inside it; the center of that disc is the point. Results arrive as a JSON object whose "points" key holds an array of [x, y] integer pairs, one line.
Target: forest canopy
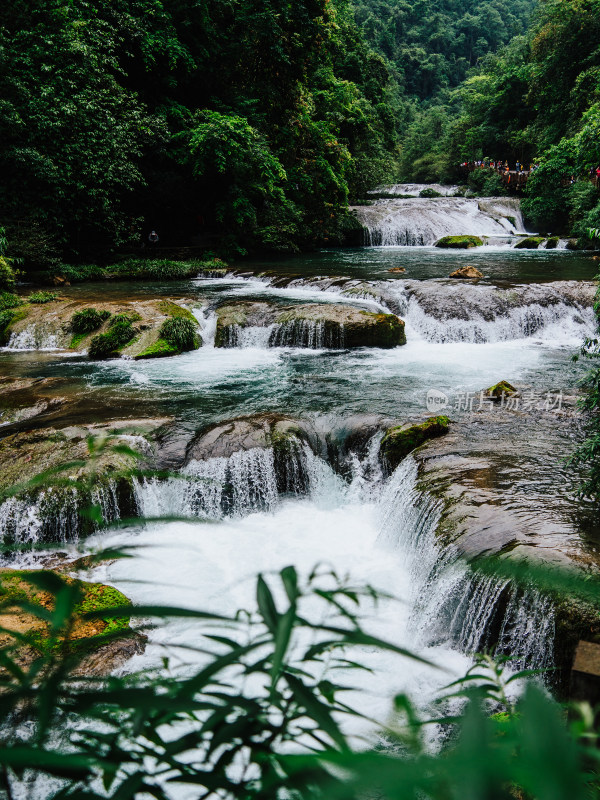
{"points": [[252, 121]]}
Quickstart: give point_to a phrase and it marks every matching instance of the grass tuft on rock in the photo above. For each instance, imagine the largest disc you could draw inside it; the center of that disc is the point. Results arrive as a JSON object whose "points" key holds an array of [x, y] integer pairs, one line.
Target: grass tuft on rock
{"points": [[41, 298], [107, 345], [88, 320], [180, 333]]}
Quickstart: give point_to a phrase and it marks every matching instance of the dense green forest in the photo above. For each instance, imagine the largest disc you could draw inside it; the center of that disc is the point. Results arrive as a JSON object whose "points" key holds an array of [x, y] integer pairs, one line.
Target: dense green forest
{"points": [[250, 125], [537, 99], [252, 121]]}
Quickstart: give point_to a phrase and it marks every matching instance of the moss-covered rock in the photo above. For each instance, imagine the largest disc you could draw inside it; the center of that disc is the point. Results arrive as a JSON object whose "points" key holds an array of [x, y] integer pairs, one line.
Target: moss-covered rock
{"points": [[159, 349], [552, 243], [499, 390], [26, 635], [398, 442], [313, 325], [459, 242], [529, 243]]}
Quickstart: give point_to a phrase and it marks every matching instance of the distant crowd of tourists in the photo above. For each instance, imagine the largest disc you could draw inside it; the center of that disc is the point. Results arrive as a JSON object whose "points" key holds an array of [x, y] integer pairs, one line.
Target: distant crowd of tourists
{"points": [[500, 166], [521, 170]]}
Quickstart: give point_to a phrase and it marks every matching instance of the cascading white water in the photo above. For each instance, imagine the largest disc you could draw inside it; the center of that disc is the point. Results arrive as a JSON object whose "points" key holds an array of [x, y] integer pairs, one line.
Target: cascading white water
{"points": [[422, 221], [207, 321], [413, 189], [310, 334], [35, 337], [247, 481], [453, 603], [441, 312], [307, 334], [53, 515], [248, 336]]}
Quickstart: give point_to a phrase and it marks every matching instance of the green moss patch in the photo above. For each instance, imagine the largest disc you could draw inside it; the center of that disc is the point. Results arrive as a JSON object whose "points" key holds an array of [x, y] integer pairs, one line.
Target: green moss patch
{"points": [[459, 242], [503, 388], [398, 442], [530, 243], [172, 309], [20, 595], [552, 243], [159, 349]]}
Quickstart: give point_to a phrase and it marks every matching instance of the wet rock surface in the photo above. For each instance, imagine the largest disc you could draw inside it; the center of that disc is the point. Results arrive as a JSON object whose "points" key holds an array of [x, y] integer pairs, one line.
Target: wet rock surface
{"points": [[466, 272], [504, 486], [312, 325]]}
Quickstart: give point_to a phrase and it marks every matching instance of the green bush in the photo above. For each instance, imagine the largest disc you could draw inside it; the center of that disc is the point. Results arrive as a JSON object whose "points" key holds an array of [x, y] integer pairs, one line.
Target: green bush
{"points": [[8, 276], [6, 316], [42, 297], [88, 320], [180, 333], [105, 345], [486, 183], [8, 300], [429, 193]]}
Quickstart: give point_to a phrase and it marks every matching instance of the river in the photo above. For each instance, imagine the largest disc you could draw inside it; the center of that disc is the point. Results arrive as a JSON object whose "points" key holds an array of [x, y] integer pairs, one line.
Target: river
{"points": [[521, 323]]}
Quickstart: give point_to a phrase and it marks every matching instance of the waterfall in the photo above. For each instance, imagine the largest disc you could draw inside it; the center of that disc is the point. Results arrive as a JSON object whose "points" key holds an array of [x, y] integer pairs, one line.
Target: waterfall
{"points": [[305, 333], [422, 221], [443, 312], [248, 336], [310, 334], [413, 190], [53, 515], [237, 485], [207, 321], [34, 337], [454, 603]]}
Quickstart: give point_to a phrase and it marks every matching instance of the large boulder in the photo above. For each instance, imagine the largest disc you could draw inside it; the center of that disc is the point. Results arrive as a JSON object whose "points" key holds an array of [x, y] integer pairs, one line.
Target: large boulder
{"points": [[466, 272], [401, 440], [51, 477], [224, 439], [137, 328], [314, 325], [529, 243]]}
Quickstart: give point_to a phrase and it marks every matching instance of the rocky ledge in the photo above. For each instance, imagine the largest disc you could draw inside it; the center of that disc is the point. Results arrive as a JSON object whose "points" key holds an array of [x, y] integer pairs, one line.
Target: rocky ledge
{"points": [[314, 326], [135, 329]]}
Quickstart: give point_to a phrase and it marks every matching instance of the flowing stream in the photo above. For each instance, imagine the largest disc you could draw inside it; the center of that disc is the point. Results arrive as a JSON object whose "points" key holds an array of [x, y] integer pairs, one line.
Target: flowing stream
{"points": [[328, 499]]}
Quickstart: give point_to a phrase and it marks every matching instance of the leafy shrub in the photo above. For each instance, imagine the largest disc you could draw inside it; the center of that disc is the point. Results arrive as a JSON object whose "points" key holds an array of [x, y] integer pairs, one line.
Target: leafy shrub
{"points": [[163, 269], [180, 333], [6, 316], [88, 320], [486, 183], [8, 300], [107, 344], [429, 193], [8, 276], [43, 297]]}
